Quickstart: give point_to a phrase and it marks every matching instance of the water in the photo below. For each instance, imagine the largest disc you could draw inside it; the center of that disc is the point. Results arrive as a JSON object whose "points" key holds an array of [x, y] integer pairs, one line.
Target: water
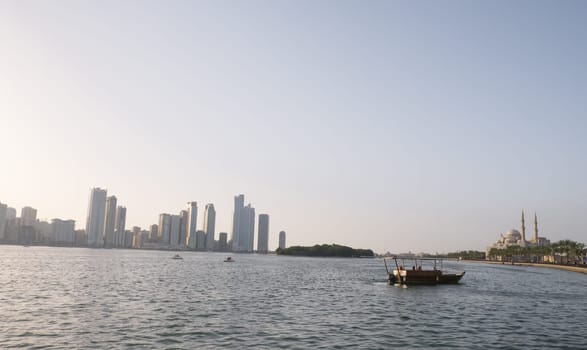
{"points": [[85, 298]]}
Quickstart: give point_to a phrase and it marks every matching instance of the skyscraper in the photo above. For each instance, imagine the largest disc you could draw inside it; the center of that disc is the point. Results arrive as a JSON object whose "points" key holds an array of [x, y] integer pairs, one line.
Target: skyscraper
{"points": [[209, 225], [62, 231], [239, 203], [164, 228], [200, 240], [120, 225], [154, 234], [263, 234], [28, 216], [109, 221], [95, 218], [174, 230], [246, 229], [282, 239], [3, 220], [191, 224], [183, 227], [223, 241]]}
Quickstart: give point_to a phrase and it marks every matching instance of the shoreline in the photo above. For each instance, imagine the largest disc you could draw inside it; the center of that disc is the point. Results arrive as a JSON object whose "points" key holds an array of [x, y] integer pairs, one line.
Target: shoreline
{"points": [[572, 268]]}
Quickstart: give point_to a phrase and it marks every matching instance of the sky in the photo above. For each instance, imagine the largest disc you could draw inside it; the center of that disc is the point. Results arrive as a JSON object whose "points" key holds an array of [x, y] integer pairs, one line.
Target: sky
{"points": [[396, 126]]}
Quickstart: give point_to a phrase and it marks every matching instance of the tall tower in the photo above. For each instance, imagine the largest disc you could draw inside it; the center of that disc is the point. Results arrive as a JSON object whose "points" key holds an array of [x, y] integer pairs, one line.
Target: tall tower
{"points": [[523, 230], [183, 228], [3, 220], [191, 224], [209, 225], [263, 234], [120, 225], [164, 228], [95, 218], [282, 239], [535, 229], [239, 204], [174, 230], [110, 218]]}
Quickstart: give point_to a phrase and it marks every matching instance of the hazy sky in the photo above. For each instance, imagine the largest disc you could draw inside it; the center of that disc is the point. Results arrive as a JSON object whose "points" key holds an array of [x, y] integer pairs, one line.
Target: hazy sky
{"points": [[414, 125]]}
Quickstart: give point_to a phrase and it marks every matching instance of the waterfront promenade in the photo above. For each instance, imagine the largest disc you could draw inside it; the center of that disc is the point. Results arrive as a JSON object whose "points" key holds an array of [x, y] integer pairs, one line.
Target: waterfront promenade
{"points": [[573, 268]]}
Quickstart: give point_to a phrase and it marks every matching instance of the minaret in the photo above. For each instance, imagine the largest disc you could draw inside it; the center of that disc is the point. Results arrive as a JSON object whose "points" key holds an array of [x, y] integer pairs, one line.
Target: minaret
{"points": [[535, 229], [523, 230]]}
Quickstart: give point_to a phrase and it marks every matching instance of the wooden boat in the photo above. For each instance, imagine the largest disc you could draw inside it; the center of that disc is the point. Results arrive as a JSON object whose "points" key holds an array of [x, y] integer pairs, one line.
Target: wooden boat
{"points": [[177, 257], [414, 271], [229, 259]]}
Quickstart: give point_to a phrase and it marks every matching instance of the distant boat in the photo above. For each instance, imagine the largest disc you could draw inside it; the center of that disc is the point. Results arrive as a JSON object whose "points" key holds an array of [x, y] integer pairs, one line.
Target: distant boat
{"points": [[416, 274], [177, 257], [229, 259]]}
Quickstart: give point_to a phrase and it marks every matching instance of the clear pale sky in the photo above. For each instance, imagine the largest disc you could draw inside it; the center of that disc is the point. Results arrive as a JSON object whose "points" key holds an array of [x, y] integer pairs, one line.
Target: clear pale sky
{"points": [[400, 126]]}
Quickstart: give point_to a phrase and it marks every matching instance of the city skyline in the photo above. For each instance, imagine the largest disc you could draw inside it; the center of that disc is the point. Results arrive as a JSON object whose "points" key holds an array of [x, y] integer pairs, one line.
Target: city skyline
{"points": [[396, 126]]}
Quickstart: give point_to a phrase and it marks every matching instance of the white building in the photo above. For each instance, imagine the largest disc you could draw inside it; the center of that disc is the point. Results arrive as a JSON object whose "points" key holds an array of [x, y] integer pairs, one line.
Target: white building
{"points": [[243, 229], [164, 228], [95, 218], [28, 216], [209, 225], [282, 239], [109, 221], [192, 209], [63, 231], [263, 234], [174, 230], [514, 237], [3, 220], [120, 224]]}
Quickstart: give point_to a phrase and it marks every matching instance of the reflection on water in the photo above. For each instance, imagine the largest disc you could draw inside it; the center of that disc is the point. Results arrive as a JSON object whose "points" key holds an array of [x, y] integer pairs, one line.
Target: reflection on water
{"points": [[85, 298]]}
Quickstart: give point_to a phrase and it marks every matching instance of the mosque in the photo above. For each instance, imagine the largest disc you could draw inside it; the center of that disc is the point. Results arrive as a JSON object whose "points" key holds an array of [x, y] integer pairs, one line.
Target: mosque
{"points": [[514, 238]]}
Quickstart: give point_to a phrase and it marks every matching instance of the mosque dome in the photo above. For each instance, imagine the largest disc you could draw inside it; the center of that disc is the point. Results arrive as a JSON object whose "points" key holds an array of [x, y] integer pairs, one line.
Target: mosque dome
{"points": [[512, 236]]}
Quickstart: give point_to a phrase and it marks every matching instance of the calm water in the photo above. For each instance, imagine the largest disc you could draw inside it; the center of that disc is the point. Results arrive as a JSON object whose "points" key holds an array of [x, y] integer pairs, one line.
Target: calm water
{"points": [[84, 298]]}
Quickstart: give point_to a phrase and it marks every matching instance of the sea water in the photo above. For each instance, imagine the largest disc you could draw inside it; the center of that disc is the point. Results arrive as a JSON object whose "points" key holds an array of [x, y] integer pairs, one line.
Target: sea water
{"points": [[106, 299]]}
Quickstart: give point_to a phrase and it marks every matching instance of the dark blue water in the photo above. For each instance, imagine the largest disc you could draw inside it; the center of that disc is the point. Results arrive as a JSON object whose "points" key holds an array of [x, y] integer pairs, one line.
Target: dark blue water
{"points": [[84, 298]]}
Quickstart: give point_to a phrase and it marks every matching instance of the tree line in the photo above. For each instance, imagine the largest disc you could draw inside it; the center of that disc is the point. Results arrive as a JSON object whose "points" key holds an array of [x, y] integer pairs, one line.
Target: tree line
{"points": [[325, 250], [562, 252]]}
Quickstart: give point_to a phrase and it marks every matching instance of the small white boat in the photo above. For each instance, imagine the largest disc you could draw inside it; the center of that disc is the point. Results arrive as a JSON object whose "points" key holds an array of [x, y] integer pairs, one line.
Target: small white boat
{"points": [[229, 259], [177, 257]]}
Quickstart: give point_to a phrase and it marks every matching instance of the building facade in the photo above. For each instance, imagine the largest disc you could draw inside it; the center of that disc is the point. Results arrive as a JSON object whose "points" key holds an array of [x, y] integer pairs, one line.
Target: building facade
{"points": [[192, 209], [209, 225], [282, 239], [95, 217], [109, 222], [263, 234]]}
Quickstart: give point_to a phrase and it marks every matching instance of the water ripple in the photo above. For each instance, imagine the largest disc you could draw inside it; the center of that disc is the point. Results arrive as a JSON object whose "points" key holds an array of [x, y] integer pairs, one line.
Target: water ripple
{"points": [[57, 298]]}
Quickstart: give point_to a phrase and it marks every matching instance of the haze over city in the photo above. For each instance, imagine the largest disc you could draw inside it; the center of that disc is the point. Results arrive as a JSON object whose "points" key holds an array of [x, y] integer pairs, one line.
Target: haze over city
{"points": [[392, 126]]}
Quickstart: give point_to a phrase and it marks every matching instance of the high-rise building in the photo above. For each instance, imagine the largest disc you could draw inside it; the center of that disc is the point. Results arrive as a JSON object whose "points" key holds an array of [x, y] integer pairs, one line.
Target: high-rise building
{"points": [[200, 240], [183, 227], [239, 204], [28, 216], [10, 214], [154, 232], [223, 242], [120, 225], [247, 229], [191, 224], [63, 231], [164, 228], [263, 234], [209, 225], [282, 239], [243, 225], [174, 230], [3, 220], [109, 221], [95, 218]]}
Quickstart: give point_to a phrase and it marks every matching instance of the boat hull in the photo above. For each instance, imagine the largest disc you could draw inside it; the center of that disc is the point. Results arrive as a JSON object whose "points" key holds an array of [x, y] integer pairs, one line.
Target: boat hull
{"points": [[424, 277]]}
